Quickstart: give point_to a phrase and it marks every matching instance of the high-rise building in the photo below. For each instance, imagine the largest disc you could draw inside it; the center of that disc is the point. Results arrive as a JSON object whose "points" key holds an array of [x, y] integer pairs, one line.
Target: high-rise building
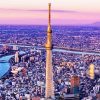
{"points": [[15, 47], [16, 57], [49, 92], [75, 84], [91, 71]]}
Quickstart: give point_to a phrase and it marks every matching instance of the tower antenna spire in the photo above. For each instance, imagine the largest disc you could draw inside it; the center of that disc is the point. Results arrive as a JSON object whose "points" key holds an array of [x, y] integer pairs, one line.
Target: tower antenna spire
{"points": [[49, 19]]}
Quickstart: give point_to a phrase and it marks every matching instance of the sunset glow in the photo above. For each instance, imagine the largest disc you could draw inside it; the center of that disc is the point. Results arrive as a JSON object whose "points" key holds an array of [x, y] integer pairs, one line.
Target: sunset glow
{"points": [[63, 11]]}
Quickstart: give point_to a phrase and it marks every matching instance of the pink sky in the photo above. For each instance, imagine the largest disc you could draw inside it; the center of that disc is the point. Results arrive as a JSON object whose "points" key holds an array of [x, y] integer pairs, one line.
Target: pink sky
{"points": [[63, 11]]}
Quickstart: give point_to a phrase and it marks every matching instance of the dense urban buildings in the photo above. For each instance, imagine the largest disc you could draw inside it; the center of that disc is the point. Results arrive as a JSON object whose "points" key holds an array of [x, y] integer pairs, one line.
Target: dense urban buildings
{"points": [[69, 68], [71, 37], [31, 80]]}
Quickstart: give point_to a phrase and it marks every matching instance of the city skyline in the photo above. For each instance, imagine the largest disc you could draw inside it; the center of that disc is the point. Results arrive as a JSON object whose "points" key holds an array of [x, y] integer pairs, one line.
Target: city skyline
{"points": [[63, 11]]}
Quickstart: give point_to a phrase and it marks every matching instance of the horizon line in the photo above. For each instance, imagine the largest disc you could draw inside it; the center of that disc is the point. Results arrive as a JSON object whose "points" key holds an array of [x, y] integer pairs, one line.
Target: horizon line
{"points": [[92, 24]]}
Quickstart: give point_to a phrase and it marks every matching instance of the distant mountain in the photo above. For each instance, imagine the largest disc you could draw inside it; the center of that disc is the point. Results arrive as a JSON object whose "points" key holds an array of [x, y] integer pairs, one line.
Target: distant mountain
{"points": [[96, 24]]}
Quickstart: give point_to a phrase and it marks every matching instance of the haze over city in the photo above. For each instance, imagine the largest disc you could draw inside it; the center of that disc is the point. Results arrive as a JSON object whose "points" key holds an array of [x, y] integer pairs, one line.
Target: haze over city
{"points": [[64, 12]]}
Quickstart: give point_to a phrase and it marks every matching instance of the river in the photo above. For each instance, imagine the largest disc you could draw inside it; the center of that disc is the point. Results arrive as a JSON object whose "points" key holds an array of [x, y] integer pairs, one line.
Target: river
{"points": [[5, 65]]}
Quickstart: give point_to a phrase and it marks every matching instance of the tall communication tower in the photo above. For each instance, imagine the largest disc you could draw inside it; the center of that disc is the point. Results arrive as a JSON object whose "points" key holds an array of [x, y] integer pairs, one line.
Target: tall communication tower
{"points": [[49, 92]]}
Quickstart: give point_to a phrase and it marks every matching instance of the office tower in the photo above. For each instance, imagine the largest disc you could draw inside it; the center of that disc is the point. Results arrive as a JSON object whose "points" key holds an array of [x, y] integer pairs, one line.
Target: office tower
{"points": [[75, 84], [17, 57], [15, 47], [91, 71]]}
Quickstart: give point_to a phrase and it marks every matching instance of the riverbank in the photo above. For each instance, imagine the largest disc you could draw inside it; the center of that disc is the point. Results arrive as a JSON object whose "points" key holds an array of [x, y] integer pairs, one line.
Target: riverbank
{"points": [[5, 64]]}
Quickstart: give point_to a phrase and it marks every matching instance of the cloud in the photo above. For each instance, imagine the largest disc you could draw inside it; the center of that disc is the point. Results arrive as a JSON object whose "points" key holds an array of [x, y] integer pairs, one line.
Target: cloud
{"points": [[32, 10]]}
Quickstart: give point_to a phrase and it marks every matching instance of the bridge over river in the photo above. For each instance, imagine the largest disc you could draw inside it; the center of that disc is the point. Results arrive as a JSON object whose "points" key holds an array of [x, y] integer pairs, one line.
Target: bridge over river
{"points": [[75, 51]]}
